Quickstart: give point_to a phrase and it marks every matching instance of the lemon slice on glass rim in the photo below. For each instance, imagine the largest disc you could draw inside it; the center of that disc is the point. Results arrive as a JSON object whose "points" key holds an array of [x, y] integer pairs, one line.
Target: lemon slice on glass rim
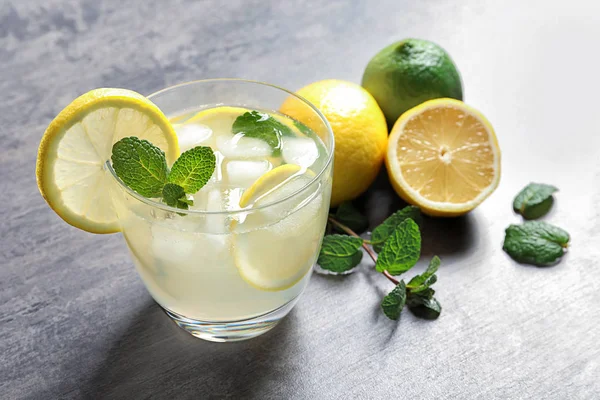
{"points": [[70, 162]]}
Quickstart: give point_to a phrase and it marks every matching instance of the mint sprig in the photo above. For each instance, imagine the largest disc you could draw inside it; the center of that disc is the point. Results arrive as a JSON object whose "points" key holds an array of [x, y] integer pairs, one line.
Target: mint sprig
{"points": [[143, 167], [260, 125], [400, 251]]}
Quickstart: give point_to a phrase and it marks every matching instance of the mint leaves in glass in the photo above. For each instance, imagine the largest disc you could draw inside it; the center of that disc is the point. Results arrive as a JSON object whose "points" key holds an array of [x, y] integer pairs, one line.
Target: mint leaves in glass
{"points": [[143, 167]]}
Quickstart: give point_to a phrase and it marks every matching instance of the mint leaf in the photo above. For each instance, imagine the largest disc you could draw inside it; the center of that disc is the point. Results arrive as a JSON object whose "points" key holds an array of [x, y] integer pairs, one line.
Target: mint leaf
{"points": [[534, 201], [140, 165], [382, 232], [427, 278], [402, 250], [193, 169], [348, 215], [172, 193], [393, 302], [303, 128], [340, 253], [423, 304], [535, 242], [185, 200], [262, 126]]}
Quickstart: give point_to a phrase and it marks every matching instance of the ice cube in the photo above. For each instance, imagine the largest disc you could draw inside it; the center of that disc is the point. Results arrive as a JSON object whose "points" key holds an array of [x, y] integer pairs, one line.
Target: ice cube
{"points": [[217, 176], [238, 146], [215, 223], [192, 135], [233, 197], [243, 173], [171, 244], [214, 201], [300, 151]]}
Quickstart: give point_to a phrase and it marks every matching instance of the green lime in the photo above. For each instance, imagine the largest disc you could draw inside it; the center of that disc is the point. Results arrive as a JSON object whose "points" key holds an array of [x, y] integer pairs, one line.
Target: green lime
{"points": [[408, 73]]}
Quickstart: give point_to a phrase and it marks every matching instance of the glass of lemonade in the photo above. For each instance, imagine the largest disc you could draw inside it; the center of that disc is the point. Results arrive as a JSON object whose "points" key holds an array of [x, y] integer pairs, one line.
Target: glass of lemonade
{"points": [[234, 264]]}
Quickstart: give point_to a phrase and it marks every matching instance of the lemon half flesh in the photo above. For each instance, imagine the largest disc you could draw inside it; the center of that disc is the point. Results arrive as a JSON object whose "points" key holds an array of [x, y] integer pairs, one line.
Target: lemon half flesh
{"points": [[443, 156]]}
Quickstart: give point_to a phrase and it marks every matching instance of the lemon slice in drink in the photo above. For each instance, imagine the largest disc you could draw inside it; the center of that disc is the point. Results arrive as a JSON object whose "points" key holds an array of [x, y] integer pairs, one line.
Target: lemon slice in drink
{"points": [[444, 157], [77, 143], [275, 247]]}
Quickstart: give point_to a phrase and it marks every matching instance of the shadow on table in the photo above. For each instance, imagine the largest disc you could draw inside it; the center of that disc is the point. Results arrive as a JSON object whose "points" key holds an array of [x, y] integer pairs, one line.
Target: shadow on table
{"points": [[441, 236], [156, 359], [448, 236]]}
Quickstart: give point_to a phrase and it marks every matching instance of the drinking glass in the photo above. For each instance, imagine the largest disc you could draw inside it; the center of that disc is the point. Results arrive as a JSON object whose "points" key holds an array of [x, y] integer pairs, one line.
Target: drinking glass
{"points": [[195, 263]]}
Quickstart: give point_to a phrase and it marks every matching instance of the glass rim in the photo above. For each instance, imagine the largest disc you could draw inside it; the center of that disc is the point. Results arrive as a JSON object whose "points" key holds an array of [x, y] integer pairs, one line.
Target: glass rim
{"points": [[165, 207]]}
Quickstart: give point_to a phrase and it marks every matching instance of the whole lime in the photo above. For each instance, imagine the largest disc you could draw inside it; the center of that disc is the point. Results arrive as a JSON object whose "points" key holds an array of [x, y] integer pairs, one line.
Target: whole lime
{"points": [[408, 73]]}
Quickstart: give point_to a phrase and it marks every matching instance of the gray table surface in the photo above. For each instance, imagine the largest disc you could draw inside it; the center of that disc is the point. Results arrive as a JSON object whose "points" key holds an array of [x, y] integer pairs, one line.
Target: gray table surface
{"points": [[76, 321]]}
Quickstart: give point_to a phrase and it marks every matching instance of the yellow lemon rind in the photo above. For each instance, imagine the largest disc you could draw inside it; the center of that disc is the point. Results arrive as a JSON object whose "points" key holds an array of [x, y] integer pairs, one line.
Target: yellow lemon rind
{"points": [[74, 112]]}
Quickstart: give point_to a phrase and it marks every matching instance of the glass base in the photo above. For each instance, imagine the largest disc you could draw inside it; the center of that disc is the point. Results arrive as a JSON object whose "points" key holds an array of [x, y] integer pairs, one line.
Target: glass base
{"points": [[233, 331]]}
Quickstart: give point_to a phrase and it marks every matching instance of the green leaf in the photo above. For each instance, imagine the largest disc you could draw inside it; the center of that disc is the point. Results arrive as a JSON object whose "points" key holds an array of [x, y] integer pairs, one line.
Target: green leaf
{"points": [[535, 242], [427, 278], [382, 232], [303, 128], [340, 253], [262, 126], [402, 250], [534, 201], [393, 302], [193, 169], [348, 215], [424, 305], [172, 193], [140, 165], [189, 202]]}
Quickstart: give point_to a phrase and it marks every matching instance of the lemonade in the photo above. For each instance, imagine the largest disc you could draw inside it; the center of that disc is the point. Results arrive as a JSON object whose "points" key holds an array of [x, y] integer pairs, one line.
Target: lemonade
{"points": [[222, 201], [229, 264]]}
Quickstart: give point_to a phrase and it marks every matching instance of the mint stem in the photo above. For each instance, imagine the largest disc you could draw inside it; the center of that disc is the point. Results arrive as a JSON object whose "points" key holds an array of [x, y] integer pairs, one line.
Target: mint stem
{"points": [[391, 278], [365, 246]]}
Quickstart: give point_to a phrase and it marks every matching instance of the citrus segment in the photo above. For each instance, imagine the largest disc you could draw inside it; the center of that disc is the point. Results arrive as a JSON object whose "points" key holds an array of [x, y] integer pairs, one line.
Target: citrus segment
{"points": [[269, 183], [77, 143], [275, 247], [444, 157]]}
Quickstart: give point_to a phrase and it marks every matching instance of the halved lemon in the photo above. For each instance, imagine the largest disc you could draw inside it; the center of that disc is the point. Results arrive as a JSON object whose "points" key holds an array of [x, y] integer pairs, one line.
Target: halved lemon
{"points": [[443, 156], [77, 143], [275, 247]]}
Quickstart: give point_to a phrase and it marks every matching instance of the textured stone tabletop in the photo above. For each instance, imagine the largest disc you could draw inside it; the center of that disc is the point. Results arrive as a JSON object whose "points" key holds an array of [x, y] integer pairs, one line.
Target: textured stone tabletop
{"points": [[76, 321]]}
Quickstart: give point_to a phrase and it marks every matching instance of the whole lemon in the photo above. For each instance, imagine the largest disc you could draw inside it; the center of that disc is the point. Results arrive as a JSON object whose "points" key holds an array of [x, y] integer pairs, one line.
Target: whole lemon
{"points": [[408, 73], [359, 128]]}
